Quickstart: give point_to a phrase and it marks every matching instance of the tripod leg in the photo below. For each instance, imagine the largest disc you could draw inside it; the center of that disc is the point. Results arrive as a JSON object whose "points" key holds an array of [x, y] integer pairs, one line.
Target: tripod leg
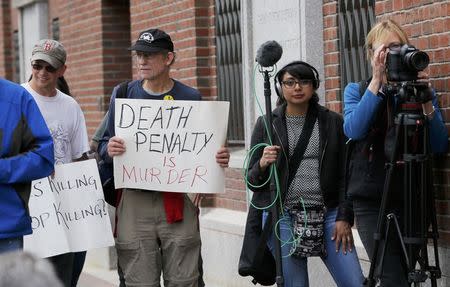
{"points": [[380, 227], [385, 244], [430, 214], [399, 234], [435, 271], [384, 199]]}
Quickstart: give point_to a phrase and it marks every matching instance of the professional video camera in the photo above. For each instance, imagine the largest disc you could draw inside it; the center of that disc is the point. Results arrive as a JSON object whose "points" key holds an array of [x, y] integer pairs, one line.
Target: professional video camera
{"points": [[402, 68]]}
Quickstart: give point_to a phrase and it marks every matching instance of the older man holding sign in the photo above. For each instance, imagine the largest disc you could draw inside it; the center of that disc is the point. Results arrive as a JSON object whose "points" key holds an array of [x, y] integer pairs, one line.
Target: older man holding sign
{"points": [[161, 150]]}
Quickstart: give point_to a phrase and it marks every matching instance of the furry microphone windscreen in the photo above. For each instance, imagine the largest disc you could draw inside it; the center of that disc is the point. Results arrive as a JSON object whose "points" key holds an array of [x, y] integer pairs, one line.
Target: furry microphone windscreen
{"points": [[269, 53]]}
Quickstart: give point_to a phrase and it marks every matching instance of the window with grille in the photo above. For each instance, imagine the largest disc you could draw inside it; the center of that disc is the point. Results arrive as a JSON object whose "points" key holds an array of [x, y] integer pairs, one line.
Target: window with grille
{"points": [[229, 65], [356, 18]]}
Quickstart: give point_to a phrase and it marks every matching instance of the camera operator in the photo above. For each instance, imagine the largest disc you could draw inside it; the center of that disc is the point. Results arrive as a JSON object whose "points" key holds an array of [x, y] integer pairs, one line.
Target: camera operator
{"points": [[367, 114]]}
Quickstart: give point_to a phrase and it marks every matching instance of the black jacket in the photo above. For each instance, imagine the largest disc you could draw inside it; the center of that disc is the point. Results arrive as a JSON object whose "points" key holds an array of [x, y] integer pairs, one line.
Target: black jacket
{"points": [[331, 165]]}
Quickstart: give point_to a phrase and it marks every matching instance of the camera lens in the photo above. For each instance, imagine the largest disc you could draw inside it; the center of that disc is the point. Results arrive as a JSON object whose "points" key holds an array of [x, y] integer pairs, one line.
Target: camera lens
{"points": [[417, 60]]}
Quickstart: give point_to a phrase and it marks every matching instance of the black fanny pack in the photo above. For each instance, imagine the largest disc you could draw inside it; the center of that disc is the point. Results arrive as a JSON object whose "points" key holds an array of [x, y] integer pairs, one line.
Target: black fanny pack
{"points": [[309, 229]]}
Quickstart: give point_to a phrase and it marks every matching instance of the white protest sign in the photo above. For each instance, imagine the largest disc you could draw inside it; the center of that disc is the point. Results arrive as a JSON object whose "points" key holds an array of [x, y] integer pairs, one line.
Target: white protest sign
{"points": [[68, 212], [170, 145]]}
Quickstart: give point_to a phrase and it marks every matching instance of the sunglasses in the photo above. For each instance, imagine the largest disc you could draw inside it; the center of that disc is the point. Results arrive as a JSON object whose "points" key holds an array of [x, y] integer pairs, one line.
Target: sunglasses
{"points": [[48, 68]]}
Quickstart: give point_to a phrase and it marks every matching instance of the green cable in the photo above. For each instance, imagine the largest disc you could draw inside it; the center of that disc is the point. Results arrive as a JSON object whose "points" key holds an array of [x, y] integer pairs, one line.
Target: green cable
{"points": [[273, 169]]}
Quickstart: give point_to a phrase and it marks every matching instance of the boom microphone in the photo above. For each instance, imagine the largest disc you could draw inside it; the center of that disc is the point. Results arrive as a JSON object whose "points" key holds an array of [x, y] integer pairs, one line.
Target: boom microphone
{"points": [[269, 53]]}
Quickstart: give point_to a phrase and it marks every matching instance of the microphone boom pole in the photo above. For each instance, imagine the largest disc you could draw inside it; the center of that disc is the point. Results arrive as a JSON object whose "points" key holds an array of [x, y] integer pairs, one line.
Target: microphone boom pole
{"points": [[273, 190], [267, 55]]}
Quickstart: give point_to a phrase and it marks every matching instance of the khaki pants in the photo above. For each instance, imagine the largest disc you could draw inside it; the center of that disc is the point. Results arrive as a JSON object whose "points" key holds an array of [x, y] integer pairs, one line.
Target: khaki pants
{"points": [[146, 244]]}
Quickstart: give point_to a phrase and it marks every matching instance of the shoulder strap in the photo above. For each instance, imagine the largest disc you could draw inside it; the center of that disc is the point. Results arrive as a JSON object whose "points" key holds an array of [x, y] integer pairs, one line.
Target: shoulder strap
{"points": [[297, 156], [363, 86], [122, 90], [349, 145]]}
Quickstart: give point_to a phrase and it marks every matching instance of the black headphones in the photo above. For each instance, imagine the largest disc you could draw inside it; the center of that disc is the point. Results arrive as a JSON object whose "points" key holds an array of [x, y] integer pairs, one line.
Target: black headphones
{"points": [[277, 81]]}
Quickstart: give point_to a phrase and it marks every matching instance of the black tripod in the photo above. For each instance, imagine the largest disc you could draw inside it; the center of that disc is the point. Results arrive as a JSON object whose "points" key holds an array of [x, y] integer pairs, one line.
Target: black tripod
{"points": [[411, 157]]}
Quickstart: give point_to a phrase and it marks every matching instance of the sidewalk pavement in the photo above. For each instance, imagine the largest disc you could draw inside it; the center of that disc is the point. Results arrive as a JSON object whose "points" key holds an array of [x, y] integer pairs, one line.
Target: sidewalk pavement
{"points": [[93, 276], [96, 276]]}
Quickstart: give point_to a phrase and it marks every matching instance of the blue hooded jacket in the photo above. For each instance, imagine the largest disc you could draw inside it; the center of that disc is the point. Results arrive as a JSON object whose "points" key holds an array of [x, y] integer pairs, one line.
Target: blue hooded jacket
{"points": [[26, 154]]}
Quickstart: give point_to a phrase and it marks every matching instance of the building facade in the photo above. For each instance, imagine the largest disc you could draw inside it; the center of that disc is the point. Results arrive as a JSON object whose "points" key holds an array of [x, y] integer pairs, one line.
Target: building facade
{"points": [[215, 44]]}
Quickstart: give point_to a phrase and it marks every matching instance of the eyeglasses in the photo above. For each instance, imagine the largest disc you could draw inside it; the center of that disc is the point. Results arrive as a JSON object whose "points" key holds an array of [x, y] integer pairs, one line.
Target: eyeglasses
{"points": [[147, 55], [48, 68], [290, 84]]}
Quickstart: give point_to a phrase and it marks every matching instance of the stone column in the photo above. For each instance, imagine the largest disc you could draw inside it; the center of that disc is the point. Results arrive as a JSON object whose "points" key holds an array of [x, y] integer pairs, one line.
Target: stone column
{"points": [[297, 26]]}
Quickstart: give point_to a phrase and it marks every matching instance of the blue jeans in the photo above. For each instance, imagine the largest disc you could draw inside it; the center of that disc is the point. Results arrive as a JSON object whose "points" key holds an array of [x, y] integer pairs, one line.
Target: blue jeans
{"points": [[344, 269], [11, 244]]}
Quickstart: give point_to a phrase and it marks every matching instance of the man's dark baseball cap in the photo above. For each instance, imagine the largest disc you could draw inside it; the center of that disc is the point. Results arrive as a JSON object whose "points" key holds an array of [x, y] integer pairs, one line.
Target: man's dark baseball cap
{"points": [[153, 40]]}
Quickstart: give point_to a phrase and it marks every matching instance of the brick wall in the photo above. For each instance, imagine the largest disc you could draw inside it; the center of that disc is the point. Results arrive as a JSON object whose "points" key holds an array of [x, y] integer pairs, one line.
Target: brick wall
{"points": [[190, 23], [14, 27], [234, 197], [427, 23], [331, 56], [6, 43], [117, 64], [96, 36], [81, 34]]}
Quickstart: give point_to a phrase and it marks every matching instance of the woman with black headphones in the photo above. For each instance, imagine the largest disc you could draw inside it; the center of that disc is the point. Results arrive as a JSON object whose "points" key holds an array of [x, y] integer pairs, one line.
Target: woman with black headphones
{"points": [[308, 151]]}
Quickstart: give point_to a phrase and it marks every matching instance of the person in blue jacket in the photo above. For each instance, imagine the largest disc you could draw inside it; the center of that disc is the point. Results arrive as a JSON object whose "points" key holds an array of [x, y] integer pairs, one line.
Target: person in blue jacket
{"points": [[26, 154], [366, 118]]}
